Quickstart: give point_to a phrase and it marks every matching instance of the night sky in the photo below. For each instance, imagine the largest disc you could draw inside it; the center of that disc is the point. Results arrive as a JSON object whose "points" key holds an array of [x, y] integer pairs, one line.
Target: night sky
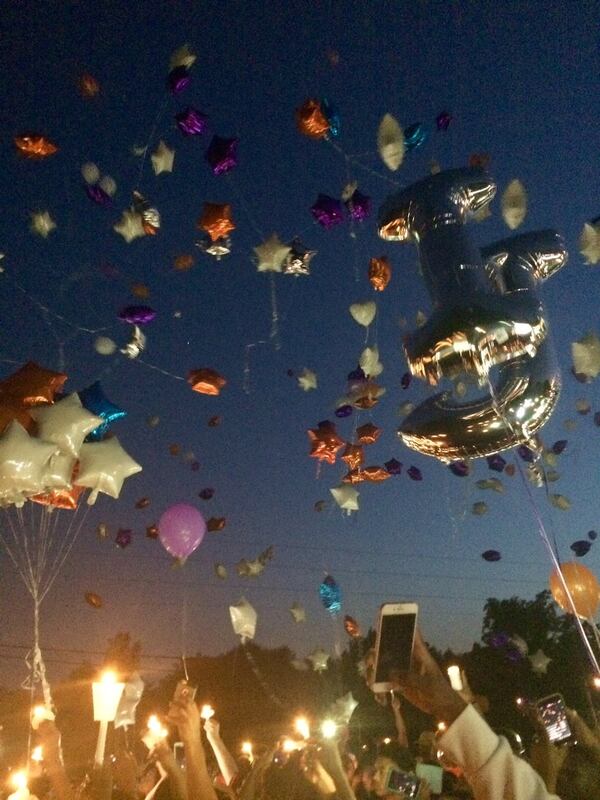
{"points": [[521, 81]]}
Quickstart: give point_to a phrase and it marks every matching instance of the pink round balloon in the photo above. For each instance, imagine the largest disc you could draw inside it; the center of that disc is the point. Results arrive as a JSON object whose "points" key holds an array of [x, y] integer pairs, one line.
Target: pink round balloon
{"points": [[181, 529]]}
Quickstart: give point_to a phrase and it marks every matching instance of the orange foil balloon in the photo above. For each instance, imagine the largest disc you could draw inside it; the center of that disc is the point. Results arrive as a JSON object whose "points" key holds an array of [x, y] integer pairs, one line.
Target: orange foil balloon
{"points": [[354, 476], [368, 434], [11, 409], [353, 455], [35, 146], [376, 474], [143, 502], [368, 396], [183, 263], [351, 627], [174, 449], [88, 86], [325, 442], [583, 586], [380, 272], [94, 600], [152, 531], [216, 220], [60, 498], [206, 381], [32, 385], [215, 524], [311, 121], [140, 290]]}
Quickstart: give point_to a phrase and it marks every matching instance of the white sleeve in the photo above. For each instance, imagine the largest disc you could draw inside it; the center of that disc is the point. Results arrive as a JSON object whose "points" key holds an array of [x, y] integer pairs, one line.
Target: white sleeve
{"points": [[490, 766]]}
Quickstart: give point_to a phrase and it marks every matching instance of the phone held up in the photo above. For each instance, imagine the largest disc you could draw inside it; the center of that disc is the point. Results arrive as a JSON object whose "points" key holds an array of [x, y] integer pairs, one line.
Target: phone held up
{"points": [[552, 713], [395, 642], [402, 783], [184, 691]]}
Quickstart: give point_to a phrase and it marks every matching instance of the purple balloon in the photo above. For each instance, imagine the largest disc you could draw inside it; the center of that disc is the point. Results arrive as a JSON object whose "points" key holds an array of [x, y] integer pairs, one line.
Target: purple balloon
{"points": [[459, 468], [496, 463], [443, 120], [559, 446], [191, 122], [181, 530], [358, 206], [405, 380], [414, 473], [393, 466], [357, 375], [327, 211], [344, 411], [98, 196], [222, 155], [137, 315], [526, 453], [179, 79]]}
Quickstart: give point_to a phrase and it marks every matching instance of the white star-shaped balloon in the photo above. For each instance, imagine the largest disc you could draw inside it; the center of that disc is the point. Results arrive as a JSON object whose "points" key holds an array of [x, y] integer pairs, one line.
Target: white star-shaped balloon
{"points": [[514, 204], [319, 658], [42, 223], [162, 158], [249, 569], [298, 613], [343, 708], [586, 356], [182, 57], [589, 243], [390, 142], [307, 379], [23, 461], [243, 619], [65, 423], [539, 662], [130, 225], [221, 571], [369, 362], [271, 254], [346, 497], [103, 466], [363, 313]]}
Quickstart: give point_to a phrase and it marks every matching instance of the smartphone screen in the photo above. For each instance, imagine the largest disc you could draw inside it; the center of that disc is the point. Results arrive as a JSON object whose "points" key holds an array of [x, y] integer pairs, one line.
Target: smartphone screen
{"points": [[395, 644], [553, 714], [179, 754], [403, 783]]}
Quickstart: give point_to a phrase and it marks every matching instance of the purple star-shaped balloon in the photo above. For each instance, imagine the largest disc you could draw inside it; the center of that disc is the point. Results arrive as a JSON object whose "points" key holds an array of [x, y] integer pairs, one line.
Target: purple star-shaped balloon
{"points": [[496, 463], [393, 466], [500, 640], [344, 411], [459, 468], [443, 120], [327, 211], [123, 538], [179, 79], [414, 473], [137, 315], [191, 122], [358, 206], [526, 453], [559, 446], [405, 380], [98, 195], [222, 155]]}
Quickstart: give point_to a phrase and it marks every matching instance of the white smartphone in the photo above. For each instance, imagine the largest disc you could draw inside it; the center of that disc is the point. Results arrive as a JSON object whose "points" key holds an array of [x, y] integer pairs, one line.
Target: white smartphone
{"points": [[395, 640]]}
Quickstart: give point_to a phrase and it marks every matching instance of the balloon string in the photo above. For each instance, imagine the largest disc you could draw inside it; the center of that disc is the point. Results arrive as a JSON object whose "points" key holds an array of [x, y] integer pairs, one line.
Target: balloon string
{"points": [[357, 163], [157, 119], [274, 335], [259, 677], [158, 369], [246, 383]]}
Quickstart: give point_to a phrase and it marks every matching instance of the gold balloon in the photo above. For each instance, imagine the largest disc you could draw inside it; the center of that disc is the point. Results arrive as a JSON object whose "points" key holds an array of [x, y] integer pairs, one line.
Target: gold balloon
{"points": [[583, 586], [311, 121], [380, 273]]}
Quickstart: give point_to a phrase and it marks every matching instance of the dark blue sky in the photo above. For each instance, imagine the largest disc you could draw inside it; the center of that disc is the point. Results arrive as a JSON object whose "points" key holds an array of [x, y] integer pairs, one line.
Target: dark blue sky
{"points": [[521, 81]]}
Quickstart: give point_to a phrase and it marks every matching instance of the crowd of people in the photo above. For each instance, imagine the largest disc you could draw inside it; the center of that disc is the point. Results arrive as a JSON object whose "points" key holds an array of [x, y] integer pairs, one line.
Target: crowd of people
{"points": [[460, 758]]}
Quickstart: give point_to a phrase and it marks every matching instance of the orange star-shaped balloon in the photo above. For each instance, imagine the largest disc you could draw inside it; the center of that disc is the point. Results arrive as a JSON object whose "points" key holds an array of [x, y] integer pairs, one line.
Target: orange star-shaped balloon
{"points": [[353, 455], [31, 385], [380, 272], [60, 498], [35, 146], [368, 433], [367, 395], [215, 524], [13, 409], [216, 219], [311, 121], [356, 475], [88, 86], [376, 474], [206, 381], [325, 442]]}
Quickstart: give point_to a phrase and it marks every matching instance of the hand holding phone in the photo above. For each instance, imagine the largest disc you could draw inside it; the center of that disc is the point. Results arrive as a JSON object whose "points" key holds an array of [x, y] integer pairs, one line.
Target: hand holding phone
{"points": [[184, 691], [552, 713], [395, 641], [402, 783]]}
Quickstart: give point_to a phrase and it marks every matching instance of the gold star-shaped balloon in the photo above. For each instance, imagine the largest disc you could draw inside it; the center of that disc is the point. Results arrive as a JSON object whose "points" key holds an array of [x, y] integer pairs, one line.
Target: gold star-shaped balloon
{"points": [[42, 223], [307, 379], [130, 225], [298, 613], [162, 159], [589, 243], [271, 254]]}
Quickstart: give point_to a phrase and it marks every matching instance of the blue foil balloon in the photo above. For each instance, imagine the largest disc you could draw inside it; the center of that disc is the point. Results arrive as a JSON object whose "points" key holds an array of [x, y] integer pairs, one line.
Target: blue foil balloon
{"points": [[414, 136], [331, 595], [94, 399], [333, 118]]}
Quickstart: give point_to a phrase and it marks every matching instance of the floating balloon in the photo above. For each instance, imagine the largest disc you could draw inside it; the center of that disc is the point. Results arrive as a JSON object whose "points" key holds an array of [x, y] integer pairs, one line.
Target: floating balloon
{"points": [[297, 261], [218, 249], [358, 206], [182, 57], [443, 120], [88, 86], [414, 473], [491, 555], [327, 211], [514, 204], [346, 497], [65, 423], [123, 538], [393, 466], [150, 216], [271, 254], [206, 494], [307, 380], [130, 226], [162, 159], [368, 433], [222, 155], [206, 381], [332, 117], [494, 484], [23, 461], [104, 346], [143, 502], [42, 223], [501, 322], [32, 385], [183, 262], [479, 508], [581, 547], [459, 468], [90, 173], [352, 627], [152, 532], [325, 442], [94, 399], [243, 620], [103, 466], [353, 455], [181, 530], [380, 273], [137, 315], [363, 313], [414, 136], [97, 195], [216, 524], [589, 242], [390, 142], [583, 587], [35, 146], [216, 220], [319, 659], [298, 613], [178, 80], [311, 121], [94, 600], [496, 463], [586, 356], [191, 122]]}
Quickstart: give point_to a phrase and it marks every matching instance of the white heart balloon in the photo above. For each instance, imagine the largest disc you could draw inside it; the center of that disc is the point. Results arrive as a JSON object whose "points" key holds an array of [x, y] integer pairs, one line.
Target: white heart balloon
{"points": [[363, 313]]}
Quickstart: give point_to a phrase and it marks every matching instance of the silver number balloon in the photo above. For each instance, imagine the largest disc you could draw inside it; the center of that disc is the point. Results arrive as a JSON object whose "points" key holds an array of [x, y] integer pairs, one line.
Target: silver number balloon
{"points": [[486, 313]]}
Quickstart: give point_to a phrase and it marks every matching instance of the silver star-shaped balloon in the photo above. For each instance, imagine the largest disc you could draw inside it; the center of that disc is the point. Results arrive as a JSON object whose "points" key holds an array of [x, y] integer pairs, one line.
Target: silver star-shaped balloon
{"points": [[539, 662], [298, 613], [586, 356], [42, 223], [65, 423], [182, 57], [271, 254], [319, 658], [162, 158], [589, 243], [24, 460], [103, 467], [307, 379], [130, 225]]}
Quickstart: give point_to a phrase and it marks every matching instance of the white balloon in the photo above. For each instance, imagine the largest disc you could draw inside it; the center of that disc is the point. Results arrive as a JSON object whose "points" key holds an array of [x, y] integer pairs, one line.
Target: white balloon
{"points": [[90, 172], [514, 204], [108, 184], [390, 142], [243, 619], [363, 313], [104, 346]]}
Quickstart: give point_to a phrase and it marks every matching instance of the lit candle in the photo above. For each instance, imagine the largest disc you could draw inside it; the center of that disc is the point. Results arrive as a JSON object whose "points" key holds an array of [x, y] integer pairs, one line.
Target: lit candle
{"points": [[328, 729], [18, 780], [156, 732], [302, 727], [106, 694], [455, 678], [207, 712], [37, 754], [246, 749], [596, 682]]}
